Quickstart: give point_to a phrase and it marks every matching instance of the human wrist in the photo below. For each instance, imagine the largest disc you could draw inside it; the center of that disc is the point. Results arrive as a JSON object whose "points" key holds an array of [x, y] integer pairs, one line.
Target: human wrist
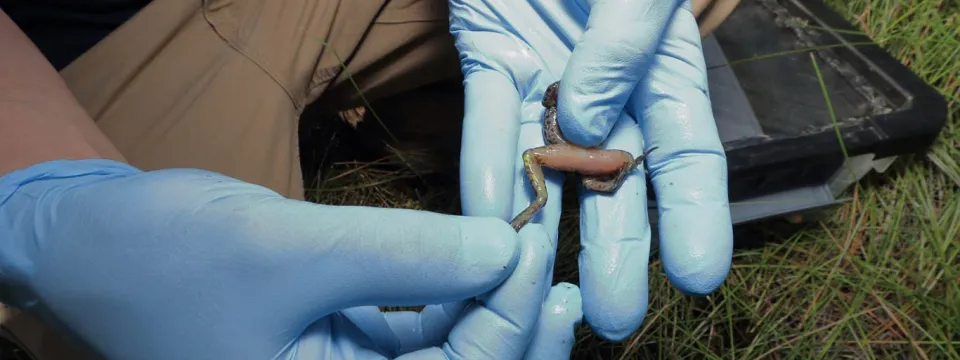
{"points": [[28, 138], [40, 119]]}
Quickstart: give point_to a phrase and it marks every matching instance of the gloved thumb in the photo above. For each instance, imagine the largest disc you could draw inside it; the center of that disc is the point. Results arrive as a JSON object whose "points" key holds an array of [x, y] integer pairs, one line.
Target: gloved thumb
{"points": [[305, 259], [352, 256]]}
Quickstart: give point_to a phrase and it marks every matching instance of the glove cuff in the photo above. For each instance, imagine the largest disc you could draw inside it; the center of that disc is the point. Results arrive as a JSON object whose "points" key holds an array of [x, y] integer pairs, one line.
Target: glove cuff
{"points": [[60, 169], [15, 262]]}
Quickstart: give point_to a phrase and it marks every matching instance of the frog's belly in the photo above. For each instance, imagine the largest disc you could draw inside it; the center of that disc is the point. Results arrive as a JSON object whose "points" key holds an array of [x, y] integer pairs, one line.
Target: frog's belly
{"points": [[589, 162]]}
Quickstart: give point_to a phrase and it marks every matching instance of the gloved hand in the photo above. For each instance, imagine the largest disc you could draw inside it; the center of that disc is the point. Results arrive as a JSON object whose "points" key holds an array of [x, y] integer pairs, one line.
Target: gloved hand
{"points": [[189, 264], [632, 77]]}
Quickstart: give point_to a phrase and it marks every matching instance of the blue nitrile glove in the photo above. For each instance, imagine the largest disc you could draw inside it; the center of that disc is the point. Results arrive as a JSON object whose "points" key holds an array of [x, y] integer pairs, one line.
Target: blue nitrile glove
{"points": [[641, 56], [189, 264]]}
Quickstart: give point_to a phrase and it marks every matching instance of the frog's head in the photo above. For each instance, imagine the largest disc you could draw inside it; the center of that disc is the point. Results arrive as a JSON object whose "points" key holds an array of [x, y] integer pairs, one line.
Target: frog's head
{"points": [[550, 95]]}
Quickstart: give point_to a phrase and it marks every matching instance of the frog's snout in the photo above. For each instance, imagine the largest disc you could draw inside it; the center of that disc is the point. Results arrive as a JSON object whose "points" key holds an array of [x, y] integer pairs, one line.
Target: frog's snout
{"points": [[550, 95]]}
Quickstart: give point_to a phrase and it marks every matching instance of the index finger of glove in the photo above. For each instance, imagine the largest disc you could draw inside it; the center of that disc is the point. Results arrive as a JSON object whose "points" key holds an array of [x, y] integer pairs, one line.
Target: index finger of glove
{"points": [[491, 126], [608, 61]]}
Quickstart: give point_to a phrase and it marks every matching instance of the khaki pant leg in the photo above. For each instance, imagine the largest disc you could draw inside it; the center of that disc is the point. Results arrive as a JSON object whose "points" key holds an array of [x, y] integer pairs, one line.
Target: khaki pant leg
{"points": [[418, 97], [407, 47], [220, 85]]}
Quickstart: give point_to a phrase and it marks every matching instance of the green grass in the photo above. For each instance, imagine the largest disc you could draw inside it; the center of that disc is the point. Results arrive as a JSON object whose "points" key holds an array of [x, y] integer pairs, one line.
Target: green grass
{"points": [[876, 278]]}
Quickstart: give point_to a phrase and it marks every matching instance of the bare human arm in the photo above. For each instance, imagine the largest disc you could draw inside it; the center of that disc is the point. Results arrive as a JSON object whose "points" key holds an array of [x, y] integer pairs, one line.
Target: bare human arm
{"points": [[40, 120]]}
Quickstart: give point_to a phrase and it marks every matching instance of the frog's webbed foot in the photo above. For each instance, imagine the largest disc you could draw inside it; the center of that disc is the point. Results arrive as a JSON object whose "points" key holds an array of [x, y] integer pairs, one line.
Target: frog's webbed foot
{"points": [[639, 159]]}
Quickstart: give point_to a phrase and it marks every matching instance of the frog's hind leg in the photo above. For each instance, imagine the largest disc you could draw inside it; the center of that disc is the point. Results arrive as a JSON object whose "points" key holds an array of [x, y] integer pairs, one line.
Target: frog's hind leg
{"points": [[610, 184], [532, 164], [605, 184]]}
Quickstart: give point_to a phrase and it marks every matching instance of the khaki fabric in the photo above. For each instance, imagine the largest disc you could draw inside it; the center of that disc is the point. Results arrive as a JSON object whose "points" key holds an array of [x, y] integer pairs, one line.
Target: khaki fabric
{"points": [[711, 14], [220, 85]]}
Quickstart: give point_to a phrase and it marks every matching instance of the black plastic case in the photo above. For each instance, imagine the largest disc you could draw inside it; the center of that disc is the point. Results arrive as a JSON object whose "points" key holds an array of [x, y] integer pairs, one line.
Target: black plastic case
{"points": [[772, 116]]}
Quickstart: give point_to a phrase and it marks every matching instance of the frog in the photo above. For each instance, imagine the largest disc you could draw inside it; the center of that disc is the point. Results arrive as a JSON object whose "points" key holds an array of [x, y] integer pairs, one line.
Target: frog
{"points": [[601, 170]]}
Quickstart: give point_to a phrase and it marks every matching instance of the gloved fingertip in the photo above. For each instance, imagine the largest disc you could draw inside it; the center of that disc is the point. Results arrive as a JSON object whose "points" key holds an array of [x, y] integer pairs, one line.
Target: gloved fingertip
{"points": [[537, 233], [616, 332], [614, 281], [490, 246], [696, 264], [590, 102], [556, 331], [615, 324], [702, 282], [564, 305], [584, 124]]}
